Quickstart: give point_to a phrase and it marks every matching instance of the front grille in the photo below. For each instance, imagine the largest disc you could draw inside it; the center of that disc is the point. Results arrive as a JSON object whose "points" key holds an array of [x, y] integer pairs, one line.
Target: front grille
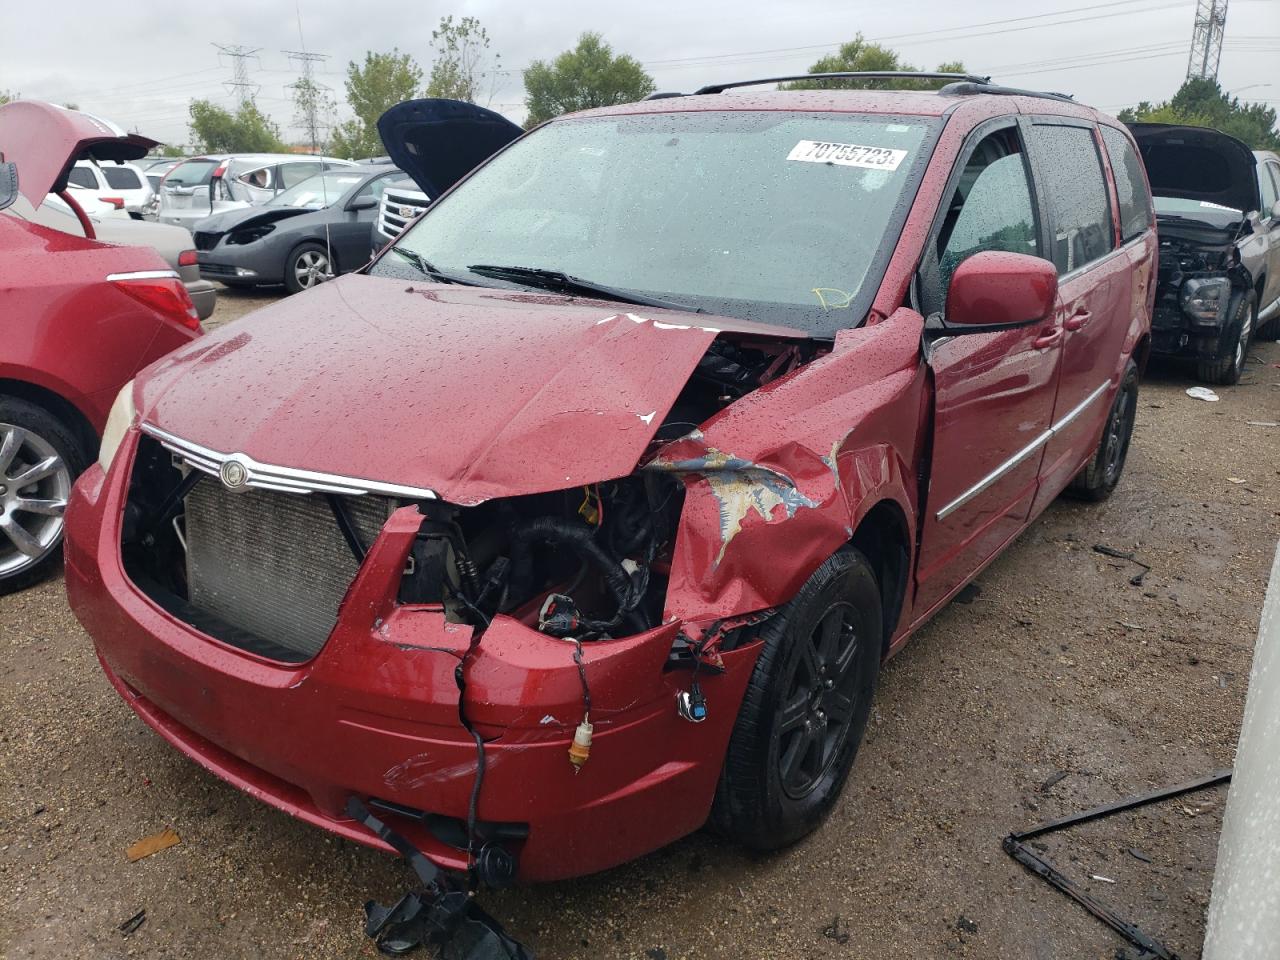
{"points": [[205, 240], [273, 565], [396, 209]]}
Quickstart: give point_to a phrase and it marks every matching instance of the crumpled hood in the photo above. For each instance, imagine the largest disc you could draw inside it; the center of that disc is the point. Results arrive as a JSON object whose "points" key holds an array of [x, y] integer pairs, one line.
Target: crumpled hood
{"points": [[471, 392], [249, 216]]}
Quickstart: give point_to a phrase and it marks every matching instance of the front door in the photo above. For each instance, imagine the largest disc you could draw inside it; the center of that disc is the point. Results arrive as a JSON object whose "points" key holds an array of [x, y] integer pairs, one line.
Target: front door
{"points": [[993, 391]]}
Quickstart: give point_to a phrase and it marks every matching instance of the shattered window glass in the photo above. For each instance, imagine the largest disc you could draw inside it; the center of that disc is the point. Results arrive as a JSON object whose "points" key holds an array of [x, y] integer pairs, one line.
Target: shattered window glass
{"points": [[991, 208], [776, 216], [1077, 192], [1131, 186]]}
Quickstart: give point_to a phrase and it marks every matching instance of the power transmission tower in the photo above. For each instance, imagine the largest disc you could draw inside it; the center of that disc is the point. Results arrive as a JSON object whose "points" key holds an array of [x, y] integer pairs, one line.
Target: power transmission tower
{"points": [[239, 83], [1206, 39], [308, 95]]}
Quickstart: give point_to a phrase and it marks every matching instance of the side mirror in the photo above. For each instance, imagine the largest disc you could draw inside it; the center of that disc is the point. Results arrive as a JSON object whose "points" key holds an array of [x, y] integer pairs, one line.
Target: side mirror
{"points": [[363, 203], [994, 289]]}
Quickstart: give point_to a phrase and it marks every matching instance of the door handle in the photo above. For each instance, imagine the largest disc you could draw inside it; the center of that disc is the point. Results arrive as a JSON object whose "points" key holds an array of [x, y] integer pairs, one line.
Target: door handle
{"points": [[1077, 320], [1048, 338]]}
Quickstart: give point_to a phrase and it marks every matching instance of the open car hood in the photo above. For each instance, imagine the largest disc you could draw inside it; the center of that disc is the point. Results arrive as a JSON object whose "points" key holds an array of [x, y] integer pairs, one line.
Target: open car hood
{"points": [[470, 392], [438, 142], [44, 141], [1198, 163]]}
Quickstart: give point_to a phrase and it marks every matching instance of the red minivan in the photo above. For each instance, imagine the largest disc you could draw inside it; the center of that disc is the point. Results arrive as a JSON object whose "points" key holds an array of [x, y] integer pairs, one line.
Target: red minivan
{"points": [[78, 318], [589, 510]]}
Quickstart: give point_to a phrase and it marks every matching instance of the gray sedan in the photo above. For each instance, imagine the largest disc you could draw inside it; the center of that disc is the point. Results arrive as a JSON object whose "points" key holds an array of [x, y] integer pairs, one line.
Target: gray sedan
{"points": [[307, 234]]}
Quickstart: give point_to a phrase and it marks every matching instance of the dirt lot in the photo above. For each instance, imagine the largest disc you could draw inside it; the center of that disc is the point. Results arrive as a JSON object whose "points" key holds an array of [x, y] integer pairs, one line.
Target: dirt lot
{"points": [[1059, 665]]}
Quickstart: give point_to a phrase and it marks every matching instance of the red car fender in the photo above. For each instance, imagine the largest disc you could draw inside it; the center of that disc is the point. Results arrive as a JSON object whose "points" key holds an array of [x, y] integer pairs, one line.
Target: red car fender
{"points": [[854, 417]]}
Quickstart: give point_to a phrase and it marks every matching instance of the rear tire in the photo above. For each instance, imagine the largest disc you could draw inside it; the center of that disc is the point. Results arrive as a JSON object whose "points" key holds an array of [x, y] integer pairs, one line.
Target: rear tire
{"points": [[1097, 480], [1226, 361], [309, 265], [38, 448], [805, 709]]}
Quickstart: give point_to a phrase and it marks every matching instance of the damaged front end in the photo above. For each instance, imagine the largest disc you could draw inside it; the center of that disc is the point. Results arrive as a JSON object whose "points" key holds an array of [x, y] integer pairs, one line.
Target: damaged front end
{"points": [[1200, 272]]}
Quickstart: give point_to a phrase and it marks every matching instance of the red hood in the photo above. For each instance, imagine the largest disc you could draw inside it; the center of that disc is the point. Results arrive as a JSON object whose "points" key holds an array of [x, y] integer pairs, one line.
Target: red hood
{"points": [[473, 393], [45, 141]]}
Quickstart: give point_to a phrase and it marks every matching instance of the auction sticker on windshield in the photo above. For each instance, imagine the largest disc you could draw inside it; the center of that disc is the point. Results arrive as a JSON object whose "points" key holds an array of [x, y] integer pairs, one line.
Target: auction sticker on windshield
{"points": [[847, 154]]}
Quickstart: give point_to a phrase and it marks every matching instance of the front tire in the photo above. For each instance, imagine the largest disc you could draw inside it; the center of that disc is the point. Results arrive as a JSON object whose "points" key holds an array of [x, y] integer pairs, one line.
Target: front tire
{"points": [[1225, 361], [308, 266], [806, 708], [1097, 480], [40, 458]]}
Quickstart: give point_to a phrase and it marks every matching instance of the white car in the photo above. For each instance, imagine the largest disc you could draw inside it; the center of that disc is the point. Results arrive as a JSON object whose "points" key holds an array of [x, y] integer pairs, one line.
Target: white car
{"points": [[120, 185], [202, 186], [95, 207]]}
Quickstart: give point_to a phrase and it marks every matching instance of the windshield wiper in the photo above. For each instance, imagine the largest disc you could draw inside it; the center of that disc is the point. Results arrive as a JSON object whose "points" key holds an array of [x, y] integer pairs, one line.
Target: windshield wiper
{"points": [[427, 269], [559, 282]]}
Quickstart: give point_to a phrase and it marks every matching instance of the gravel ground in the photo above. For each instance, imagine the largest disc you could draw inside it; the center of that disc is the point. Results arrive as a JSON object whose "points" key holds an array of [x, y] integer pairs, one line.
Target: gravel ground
{"points": [[1058, 666]]}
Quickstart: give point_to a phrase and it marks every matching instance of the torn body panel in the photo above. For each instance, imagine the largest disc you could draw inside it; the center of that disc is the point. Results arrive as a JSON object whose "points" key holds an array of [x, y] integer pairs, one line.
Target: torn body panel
{"points": [[746, 501]]}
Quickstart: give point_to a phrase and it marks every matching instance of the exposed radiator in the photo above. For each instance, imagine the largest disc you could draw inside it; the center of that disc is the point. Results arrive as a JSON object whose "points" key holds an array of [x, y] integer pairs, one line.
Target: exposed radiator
{"points": [[274, 564]]}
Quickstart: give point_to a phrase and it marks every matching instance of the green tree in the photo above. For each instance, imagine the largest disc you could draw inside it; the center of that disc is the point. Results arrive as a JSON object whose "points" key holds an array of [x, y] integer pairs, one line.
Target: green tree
{"points": [[462, 59], [1201, 102], [384, 80], [7, 95], [217, 130], [171, 150], [860, 55], [587, 76]]}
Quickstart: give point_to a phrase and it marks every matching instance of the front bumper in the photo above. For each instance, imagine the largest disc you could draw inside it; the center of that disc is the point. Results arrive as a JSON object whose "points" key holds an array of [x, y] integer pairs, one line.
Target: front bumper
{"points": [[375, 713], [242, 263]]}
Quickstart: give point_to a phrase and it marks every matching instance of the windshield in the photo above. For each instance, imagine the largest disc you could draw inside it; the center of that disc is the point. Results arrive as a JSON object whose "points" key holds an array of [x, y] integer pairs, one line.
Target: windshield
{"points": [[191, 173], [770, 216], [316, 192]]}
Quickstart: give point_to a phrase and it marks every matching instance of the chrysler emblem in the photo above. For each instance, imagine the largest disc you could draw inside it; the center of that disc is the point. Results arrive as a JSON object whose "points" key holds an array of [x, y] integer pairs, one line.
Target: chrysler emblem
{"points": [[233, 474]]}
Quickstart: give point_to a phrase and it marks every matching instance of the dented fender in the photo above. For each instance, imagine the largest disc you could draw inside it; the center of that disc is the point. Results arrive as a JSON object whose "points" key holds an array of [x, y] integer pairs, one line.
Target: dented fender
{"points": [[851, 419]]}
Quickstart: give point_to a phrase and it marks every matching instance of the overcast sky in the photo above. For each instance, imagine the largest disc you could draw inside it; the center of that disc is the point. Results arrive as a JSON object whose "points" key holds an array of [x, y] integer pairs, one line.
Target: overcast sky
{"points": [[1108, 54]]}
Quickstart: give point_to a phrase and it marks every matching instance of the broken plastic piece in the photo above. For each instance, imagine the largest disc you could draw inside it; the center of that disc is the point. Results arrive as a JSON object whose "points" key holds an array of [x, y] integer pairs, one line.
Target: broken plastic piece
{"points": [[580, 748]]}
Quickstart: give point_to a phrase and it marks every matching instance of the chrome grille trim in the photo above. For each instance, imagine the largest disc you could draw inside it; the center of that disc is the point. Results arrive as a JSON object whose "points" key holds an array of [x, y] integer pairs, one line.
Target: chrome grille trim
{"points": [[267, 476]]}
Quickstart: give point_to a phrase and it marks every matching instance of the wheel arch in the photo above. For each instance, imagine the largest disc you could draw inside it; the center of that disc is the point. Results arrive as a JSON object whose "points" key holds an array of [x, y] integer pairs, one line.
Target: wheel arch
{"points": [[58, 406], [883, 536]]}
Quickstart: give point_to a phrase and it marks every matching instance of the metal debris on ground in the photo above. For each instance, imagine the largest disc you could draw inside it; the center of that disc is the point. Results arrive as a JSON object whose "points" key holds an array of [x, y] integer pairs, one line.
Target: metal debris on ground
{"points": [[145, 847], [133, 923], [1054, 780], [1016, 845], [1263, 423], [1106, 551], [835, 931]]}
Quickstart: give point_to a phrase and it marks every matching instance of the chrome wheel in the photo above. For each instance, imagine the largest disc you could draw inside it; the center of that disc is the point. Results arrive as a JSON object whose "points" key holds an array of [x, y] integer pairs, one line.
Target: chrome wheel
{"points": [[310, 268], [820, 702], [35, 483]]}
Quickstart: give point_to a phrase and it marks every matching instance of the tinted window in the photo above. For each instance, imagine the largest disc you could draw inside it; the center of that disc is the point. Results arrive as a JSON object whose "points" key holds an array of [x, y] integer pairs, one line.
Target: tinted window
{"points": [[122, 178], [83, 177], [1078, 204], [1131, 186], [778, 216], [991, 208], [292, 174]]}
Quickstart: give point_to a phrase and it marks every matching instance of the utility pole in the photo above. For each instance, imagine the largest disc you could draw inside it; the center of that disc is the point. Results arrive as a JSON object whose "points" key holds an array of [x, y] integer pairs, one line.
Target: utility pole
{"points": [[239, 83], [1206, 39], [308, 95]]}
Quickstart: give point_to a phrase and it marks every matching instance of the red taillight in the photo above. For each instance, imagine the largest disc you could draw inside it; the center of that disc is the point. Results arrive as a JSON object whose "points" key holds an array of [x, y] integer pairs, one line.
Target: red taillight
{"points": [[165, 295], [187, 258], [222, 168], [117, 202]]}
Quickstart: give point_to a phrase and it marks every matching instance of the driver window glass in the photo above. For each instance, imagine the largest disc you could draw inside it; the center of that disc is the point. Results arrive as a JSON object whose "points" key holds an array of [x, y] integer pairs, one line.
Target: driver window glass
{"points": [[991, 208], [292, 174], [1077, 192], [374, 188]]}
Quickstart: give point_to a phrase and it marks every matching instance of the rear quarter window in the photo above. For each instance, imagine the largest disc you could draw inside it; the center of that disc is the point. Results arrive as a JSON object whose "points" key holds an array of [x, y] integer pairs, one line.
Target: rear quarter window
{"points": [[122, 178], [83, 177], [1131, 185], [1069, 165]]}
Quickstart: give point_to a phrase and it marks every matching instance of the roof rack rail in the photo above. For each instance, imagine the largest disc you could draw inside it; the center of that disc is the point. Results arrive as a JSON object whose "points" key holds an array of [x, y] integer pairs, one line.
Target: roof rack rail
{"points": [[964, 88], [849, 75]]}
